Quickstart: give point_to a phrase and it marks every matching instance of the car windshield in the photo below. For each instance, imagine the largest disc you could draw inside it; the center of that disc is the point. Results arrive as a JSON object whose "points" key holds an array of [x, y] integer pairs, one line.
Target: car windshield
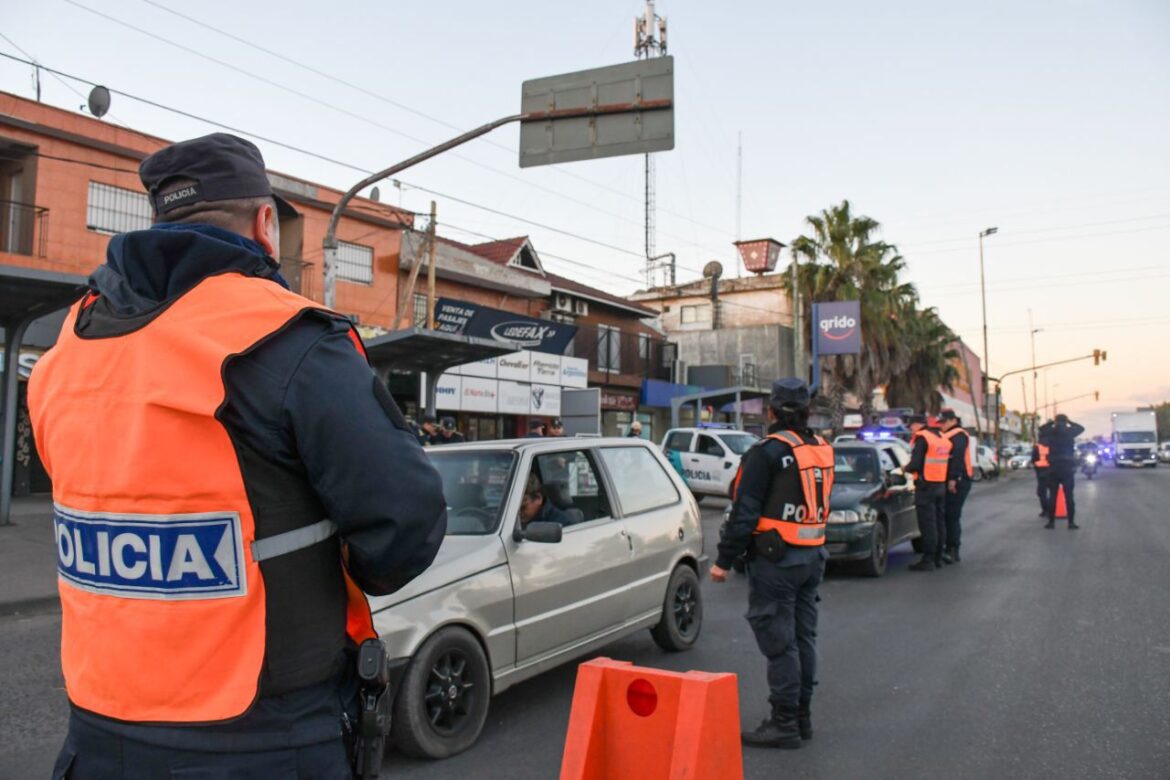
{"points": [[855, 467], [475, 485], [1135, 437], [739, 443]]}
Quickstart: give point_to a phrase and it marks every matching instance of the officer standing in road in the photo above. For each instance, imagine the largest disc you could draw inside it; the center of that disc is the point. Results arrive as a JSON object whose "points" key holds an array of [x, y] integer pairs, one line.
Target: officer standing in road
{"points": [[929, 462], [1060, 436], [1040, 464], [200, 422], [959, 473], [781, 506]]}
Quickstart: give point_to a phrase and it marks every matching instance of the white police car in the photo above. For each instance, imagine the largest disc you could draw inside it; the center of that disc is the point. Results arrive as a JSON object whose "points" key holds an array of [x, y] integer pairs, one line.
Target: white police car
{"points": [[710, 456]]}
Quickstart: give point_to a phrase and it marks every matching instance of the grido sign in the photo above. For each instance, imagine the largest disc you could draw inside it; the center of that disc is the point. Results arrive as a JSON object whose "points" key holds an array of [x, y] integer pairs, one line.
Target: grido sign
{"points": [[838, 327], [470, 319]]}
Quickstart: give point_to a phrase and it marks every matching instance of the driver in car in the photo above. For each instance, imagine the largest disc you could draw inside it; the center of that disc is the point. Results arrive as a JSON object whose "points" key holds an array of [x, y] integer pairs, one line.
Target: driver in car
{"points": [[535, 506]]}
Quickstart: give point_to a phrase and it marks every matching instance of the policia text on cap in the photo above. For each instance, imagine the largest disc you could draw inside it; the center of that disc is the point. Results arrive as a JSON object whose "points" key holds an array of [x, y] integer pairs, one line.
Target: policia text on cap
{"points": [[227, 479]]}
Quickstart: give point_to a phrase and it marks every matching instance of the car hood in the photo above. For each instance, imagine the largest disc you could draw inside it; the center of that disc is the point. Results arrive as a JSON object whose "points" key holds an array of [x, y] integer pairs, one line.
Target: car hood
{"points": [[849, 496], [458, 558]]}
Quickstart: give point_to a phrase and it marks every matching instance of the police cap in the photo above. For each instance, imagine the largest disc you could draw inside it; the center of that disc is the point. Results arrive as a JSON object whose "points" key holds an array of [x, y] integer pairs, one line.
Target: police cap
{"points": [[916, 419], [948, 414], [215, 167], [790, 393]]}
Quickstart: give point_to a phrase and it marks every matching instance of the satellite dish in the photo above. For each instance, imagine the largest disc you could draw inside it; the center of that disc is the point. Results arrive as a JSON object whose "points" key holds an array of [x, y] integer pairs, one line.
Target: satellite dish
{"points": [[376, 195], [713, 269], [99, 101]]}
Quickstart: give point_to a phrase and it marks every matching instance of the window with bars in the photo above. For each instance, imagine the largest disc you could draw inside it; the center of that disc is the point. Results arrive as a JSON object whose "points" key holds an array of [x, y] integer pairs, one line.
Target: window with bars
{"points": [[420, 311], [112, 209], [609, 348], [355, 263]]}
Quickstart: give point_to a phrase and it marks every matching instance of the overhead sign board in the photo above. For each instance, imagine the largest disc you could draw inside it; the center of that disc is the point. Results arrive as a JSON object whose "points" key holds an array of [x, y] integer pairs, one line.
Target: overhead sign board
{"points": [[463, 318], [604, 112], [838, 327]]}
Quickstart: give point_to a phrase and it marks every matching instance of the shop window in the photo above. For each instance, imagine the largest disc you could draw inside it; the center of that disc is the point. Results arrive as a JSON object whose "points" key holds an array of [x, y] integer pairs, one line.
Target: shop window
{"points": [[638, 477], [355, 263], [112, 209]]}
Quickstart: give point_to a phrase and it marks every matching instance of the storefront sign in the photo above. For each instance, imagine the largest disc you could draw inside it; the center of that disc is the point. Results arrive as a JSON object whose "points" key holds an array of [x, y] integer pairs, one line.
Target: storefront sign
{"points": [[620, 402], [485, 368], [545, 369], [479, 395], [514, 398], [545, 400], [471, 319], [515, 366], [448, 390], [838, 327], [574, 372]]}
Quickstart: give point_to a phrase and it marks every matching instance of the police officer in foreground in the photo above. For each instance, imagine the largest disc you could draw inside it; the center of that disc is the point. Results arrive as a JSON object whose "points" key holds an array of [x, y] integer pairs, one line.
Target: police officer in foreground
{"points": [[959, 473], [1060, 436], [781, 506], [929, 462], [1040, 465], [228, 477]]}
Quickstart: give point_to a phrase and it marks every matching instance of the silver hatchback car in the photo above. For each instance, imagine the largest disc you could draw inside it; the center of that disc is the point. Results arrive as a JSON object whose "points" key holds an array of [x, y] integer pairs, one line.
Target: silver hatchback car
{"points": [[554, 548]]}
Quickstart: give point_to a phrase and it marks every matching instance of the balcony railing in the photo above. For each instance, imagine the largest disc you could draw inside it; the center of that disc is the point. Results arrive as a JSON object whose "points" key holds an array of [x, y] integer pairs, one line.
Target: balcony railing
{"points": [[24, 228], [618, 352]]}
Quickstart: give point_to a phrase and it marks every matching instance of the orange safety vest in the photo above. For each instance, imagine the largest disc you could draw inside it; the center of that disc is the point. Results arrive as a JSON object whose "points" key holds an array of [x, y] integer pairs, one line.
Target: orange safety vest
{"points": [[163, 600], [950, 435], [938, 452], [799, 524], [1042, 463]]}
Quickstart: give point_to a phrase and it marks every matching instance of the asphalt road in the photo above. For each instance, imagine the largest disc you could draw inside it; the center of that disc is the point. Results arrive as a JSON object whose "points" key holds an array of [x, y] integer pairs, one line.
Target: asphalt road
{"points": [[1046, 653]]}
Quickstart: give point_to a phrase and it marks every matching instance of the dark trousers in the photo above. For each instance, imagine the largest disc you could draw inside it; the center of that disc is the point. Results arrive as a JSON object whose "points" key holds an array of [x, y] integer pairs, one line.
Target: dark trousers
{"points": [[930, 505], [1042, 488], [1062, 475], [90, 753], [954, 513], [782, 611]]}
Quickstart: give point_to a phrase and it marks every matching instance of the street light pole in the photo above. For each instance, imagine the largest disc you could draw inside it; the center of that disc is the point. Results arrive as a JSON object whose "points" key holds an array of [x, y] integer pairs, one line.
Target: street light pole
{"points": [[986, 358], [1035, 409]]}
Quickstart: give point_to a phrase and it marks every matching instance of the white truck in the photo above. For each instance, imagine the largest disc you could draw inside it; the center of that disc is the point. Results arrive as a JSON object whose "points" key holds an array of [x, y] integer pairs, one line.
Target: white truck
{"points": [[1135, 438]]}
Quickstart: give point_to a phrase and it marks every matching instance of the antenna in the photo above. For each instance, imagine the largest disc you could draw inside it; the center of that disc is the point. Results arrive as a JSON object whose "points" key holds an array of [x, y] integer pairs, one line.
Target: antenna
{"points": [[99, 101], [650, 41], [376, 195], [739, 198]]}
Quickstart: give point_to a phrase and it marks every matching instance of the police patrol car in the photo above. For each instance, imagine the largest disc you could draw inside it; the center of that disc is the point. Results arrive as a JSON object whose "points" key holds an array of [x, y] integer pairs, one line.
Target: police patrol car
{"points": [[710, 456]]}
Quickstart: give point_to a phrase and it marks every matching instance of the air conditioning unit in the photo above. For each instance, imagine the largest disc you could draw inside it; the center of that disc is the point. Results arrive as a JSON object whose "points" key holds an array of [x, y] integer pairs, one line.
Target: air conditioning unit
{"points": [[581, 308], [562, 302]]}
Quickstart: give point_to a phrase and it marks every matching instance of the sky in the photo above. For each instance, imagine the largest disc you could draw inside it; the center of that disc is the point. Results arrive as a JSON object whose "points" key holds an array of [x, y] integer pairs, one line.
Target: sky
{"points": [[1049, 120]]}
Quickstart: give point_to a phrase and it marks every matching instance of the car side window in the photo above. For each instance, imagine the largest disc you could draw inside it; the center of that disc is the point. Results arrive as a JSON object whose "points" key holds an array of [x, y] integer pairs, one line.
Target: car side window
{"points": [[639, 478], [709, 446], [570, 484], [679, 440], [886, 456]]}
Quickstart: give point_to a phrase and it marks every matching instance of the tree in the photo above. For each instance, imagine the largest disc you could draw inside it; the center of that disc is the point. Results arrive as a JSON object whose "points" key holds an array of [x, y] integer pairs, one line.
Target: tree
{"points": [[930, 364]]}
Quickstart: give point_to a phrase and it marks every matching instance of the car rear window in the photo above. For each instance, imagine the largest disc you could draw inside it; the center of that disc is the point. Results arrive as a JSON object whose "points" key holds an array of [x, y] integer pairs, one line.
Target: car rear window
{"points": [[639, 480], [679, 440], [475, 485]]}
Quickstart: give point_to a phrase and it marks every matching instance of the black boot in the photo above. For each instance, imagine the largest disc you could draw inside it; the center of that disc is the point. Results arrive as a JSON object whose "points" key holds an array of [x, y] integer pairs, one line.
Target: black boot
{"points": [[955, 555], [778, 731], [1072, 526], [923, 565], [804, 721], [946, 558], [1050, 524]]}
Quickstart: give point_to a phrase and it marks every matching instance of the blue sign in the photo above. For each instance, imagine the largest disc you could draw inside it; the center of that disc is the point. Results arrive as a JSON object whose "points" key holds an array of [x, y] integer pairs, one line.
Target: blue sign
{"points": [[838, 327], [470, 319], [192, 556]]}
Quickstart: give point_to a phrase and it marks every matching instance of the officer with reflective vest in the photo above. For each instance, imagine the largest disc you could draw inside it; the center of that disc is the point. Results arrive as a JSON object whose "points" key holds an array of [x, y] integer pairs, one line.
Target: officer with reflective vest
{"points": [[1060, 436], [781, 504], [959, 474], [228, 479], [1040, 464], [929, 463]]}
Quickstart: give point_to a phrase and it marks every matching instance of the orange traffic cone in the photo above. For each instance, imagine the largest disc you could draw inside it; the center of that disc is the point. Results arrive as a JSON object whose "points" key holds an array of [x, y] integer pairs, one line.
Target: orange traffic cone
{"points": [[1061, 512], [631, 723]]}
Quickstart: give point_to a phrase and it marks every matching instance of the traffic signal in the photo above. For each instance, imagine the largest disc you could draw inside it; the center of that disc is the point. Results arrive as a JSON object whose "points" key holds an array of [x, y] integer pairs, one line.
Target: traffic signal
{"points": [[1098, 356]]}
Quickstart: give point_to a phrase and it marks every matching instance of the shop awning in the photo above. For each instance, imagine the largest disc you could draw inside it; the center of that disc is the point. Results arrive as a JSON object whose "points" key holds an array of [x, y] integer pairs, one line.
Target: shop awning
{"points": [[26, 294], [719, 397]]}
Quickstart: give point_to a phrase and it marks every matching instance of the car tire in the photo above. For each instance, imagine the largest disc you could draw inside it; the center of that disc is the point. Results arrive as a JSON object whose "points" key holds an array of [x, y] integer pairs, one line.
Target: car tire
{"points": [[977, 476], [879, 551], [442, 703], [682, 611]]}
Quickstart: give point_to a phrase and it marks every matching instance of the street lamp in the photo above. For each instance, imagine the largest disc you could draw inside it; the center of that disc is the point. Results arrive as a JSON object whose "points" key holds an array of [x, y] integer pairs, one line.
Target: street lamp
{"points": [[1035, 409], [983, 293]]}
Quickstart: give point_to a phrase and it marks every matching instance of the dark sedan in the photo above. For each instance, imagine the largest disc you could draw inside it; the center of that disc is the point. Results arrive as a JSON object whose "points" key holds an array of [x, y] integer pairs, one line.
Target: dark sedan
{"points": [[872, 507]]}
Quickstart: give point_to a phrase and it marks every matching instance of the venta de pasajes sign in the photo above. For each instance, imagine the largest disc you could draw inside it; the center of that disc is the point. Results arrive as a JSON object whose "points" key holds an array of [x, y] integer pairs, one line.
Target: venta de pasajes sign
{"points": [[470, 319]]}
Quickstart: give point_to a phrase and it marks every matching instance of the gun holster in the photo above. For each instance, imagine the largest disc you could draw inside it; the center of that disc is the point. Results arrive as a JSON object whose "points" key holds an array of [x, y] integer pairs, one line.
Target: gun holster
{"points": [[366, 739]]}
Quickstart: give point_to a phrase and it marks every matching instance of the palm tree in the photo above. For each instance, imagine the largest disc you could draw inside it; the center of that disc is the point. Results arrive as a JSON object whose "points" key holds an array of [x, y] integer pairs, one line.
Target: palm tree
{"points": [[930, 347]]}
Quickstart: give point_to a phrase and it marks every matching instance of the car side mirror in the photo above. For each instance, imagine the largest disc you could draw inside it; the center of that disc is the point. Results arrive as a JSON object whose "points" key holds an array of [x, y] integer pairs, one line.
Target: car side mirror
{"points": [[897, 477], [539, 531]]}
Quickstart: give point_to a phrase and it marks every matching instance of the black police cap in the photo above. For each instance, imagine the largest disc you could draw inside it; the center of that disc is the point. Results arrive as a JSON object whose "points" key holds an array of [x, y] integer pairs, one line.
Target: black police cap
{"points": [[215, 167], [789, 393], [948, 414], [920, 419]]}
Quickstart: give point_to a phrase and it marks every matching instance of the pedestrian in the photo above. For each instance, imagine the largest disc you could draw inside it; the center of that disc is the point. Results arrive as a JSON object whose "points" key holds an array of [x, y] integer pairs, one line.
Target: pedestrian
{"points": [[929, 462], [556, 427], [200, 422], [1060, 436], [535, 429], [448, 434], [429, 430], [1040, 464], [781, 504], [635, 431], [959, 473]]}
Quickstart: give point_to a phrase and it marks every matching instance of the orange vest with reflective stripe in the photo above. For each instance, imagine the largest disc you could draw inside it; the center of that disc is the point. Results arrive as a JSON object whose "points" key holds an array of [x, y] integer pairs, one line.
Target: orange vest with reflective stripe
{"points": [[950, 435], [1042, 451], [938, 452], [803, 523], [162, 597]]}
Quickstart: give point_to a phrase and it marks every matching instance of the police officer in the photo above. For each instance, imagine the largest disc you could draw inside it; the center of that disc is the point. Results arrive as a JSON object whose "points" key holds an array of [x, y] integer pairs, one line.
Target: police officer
{"points": [[429, 430], [200, 422], [448, 434], [781, 506], [1040, 464], [1060, 436], [929, 462], [959, 473]]}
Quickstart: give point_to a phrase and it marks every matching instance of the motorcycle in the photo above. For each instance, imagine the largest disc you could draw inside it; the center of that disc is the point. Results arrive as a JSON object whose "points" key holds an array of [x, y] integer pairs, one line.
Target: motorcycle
{"points": [[1089, 465]]}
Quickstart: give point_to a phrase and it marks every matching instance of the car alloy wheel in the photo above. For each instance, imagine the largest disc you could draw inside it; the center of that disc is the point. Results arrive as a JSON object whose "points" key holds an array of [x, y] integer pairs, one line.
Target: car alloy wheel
{"points": [[449, 693], [682, 611]]}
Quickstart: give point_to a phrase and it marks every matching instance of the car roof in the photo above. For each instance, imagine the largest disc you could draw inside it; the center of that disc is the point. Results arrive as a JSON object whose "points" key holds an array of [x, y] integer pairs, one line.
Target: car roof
{"points": [[713, 431], [543, 443]]}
